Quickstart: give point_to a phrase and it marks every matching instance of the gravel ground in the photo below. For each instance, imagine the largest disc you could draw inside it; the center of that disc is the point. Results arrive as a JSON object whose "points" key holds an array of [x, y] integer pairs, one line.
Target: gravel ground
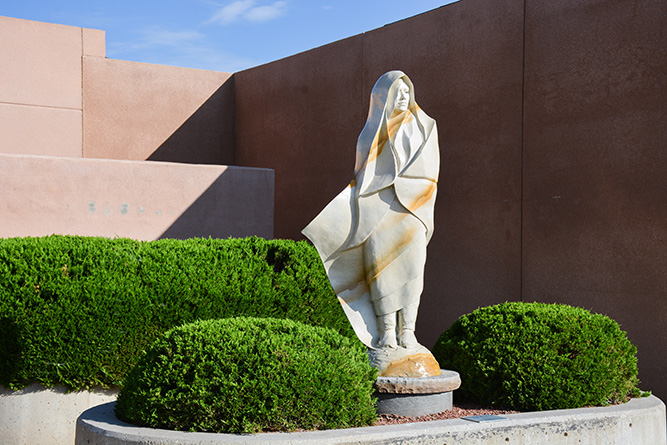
{"points": [[456, 412]]}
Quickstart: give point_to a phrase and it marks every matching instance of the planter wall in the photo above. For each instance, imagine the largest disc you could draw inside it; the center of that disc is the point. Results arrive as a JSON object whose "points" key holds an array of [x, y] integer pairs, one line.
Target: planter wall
{"points": [[45, 416], [640, 421]]}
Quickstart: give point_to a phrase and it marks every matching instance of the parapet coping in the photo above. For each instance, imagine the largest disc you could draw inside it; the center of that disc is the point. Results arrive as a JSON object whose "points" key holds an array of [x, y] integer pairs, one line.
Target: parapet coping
{"points": [[639, 421]]}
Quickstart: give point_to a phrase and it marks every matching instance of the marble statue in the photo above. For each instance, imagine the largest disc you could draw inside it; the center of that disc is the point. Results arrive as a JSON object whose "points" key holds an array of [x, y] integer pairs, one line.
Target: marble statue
{"points": [[372, 237]]}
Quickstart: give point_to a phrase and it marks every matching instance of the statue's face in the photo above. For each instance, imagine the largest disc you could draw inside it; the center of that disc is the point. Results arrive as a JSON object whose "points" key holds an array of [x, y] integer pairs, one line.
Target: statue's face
{"points": [[402, 96]]}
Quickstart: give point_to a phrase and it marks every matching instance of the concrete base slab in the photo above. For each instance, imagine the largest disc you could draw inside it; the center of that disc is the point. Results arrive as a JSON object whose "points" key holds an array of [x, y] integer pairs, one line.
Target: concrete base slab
{"points": [[640, 421]]}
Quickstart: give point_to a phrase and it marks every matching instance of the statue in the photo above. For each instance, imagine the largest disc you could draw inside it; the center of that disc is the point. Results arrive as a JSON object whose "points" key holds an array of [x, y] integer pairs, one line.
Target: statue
{"points": [[372, 237]]}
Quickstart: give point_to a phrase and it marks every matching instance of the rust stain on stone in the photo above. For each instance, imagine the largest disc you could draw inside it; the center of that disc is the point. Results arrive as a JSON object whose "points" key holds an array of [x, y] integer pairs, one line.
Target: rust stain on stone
{"points": [[381, 263], [417, 365]]}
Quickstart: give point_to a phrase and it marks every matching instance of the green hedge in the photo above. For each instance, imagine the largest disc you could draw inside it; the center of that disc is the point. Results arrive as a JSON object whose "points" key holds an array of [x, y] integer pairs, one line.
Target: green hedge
{"points": [[78, 311], [245, 375], [536, 356]]}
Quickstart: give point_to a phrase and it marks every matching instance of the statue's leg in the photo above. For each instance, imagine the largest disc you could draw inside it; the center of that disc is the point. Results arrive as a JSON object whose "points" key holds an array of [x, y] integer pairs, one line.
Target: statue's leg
{"points": [[387, 328], [408, 320]]}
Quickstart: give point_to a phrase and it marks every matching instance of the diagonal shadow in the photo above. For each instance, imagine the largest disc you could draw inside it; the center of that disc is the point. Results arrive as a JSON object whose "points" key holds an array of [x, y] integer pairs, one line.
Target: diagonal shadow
{"points": [[238, 204], [207, 136]]}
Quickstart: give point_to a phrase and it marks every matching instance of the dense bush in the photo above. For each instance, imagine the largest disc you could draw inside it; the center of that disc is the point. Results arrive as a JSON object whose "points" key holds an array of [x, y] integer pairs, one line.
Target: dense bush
{"points": [[78, 311], [244, 375], [533, 356]]}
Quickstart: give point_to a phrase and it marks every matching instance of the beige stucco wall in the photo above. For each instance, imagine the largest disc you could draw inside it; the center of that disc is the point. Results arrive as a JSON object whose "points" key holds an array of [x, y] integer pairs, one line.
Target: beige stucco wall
{"points": [[60, 96], [141, 200], [141, 111], [40, 86]]}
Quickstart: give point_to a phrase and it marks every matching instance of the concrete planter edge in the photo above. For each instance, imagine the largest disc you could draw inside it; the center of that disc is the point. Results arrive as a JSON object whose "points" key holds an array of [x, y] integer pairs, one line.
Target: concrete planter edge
{"points": [[640, 421]]}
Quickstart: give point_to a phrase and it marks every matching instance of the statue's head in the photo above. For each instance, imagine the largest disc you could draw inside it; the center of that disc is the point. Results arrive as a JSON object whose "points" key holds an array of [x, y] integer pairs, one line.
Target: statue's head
{"points": [[402, 95], [394, 92]]}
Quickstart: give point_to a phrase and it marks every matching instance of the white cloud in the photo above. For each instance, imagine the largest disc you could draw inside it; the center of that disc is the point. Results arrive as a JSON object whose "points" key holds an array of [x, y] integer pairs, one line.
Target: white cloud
{"points": [[266, 13], [246, 10], [189, 49], [231, 12]]}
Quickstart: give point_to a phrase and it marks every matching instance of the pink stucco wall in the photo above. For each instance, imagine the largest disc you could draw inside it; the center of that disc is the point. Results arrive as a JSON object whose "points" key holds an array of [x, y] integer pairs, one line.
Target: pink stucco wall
{"points": [[40, 86], [43, 195], [141, 111], [61, 99], [60, 96]]}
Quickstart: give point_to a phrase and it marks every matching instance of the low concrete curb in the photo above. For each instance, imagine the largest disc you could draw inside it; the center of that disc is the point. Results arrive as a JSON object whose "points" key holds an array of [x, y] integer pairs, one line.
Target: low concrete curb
{"points": [[45, 416], [640, 421]]}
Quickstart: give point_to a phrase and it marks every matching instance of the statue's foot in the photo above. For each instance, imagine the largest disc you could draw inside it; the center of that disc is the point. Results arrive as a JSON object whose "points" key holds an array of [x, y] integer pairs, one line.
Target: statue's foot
{"points": [[388, 339], [407, 338]]}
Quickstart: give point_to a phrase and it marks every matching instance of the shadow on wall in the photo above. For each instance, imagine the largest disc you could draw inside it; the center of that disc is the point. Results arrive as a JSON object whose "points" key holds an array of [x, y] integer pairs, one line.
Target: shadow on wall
{"points": [[207, 136], [238, 204], [132, 199]]}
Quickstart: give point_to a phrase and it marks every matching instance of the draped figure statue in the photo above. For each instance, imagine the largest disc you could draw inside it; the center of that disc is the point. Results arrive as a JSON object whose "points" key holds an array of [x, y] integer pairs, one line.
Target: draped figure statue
{"points": [[372, 237]]}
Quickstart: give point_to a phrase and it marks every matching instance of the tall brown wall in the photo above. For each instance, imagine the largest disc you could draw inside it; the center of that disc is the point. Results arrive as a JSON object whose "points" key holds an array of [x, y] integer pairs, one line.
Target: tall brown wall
{"points": [[595, 165], [302, 115], [551, 116]]}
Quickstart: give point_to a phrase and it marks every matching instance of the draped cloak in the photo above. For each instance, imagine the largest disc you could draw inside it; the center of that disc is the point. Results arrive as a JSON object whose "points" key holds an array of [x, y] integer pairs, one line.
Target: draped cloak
{"points": [[393, 190]]}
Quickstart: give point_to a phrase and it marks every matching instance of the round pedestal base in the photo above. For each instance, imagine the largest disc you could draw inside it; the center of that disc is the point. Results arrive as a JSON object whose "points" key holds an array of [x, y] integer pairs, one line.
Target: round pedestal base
{"points": [[416, 396], [414, 405]]}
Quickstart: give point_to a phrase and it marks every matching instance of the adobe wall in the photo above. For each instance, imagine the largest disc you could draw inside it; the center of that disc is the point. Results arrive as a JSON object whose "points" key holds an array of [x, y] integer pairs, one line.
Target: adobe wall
{"points": [[40, 86], [551, 116], [595, 165], [60, 96], [553, 155], [129, 199], [302, 115], [139, 111]]}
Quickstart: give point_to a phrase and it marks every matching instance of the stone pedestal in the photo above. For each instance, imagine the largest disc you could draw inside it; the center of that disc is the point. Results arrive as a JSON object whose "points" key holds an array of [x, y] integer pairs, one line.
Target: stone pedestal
{"points": [[416, 396]]}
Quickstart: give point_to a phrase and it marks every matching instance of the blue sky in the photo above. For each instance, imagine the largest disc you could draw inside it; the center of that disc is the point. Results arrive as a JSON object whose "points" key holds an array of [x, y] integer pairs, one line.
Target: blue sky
{"points": [[220, 35]]}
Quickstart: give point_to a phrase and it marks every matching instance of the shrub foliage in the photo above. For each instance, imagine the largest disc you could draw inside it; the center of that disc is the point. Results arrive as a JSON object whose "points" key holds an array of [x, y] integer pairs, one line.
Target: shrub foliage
{"points": [[78, 311], [535, 356], [245, 375]]}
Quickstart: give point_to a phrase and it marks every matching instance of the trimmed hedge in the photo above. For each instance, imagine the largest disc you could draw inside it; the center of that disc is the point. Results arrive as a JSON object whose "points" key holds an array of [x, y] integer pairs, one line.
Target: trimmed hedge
{"points": [[536, 356], [246, 375], [78, 311]]}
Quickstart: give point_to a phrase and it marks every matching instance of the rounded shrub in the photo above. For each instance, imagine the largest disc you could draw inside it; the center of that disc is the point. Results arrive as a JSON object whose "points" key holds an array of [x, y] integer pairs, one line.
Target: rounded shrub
{"points": [[536, 356], [79, 311], [244, 375]]}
